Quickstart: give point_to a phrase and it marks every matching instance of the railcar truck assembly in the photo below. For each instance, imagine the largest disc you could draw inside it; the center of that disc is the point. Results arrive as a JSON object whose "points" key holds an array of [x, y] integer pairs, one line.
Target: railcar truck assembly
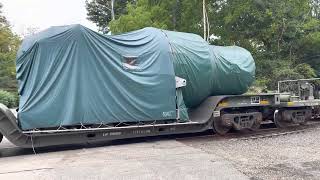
{"points": [[78, 86]]}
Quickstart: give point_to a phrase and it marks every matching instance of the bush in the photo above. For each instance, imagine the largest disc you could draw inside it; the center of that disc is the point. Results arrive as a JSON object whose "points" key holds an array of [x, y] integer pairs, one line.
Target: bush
{"points": [[9, 99], [258, 86], [286, 70]]}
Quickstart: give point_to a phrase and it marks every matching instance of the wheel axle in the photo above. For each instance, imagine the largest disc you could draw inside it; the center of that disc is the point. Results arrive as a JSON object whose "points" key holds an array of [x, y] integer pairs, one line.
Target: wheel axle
{"points": [[285, 117]]}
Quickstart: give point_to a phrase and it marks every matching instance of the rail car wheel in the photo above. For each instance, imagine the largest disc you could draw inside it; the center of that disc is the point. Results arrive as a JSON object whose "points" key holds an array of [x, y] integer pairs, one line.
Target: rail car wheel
{"points": [[257, 123], [278, 120], [255, 126], [219, 127], [1, 137]]}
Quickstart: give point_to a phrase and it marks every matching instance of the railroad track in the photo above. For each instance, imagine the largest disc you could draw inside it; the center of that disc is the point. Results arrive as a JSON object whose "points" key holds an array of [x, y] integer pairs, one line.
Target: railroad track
{"points": [[264, 132], [272, 133]]}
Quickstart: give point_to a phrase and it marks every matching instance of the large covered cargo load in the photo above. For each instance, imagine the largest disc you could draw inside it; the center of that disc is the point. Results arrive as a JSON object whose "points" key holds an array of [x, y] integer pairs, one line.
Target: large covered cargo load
{"points": [[71, 75], [209, 70]]}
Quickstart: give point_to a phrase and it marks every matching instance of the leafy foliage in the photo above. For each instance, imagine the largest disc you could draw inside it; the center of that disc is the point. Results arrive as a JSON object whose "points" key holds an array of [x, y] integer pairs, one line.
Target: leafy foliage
{"points": [[9, 43], [9, 99], [180, 15], [280, 34], [99, 12], [141, 15]]}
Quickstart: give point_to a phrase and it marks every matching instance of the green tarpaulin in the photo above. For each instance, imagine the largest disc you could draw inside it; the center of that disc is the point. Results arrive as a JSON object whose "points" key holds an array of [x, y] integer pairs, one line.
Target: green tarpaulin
{"points": [[209, 70], [71, 75]]}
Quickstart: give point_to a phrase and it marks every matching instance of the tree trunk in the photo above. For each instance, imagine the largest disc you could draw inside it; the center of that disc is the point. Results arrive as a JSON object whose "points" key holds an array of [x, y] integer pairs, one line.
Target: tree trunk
{"points": [[208, 27], [175, 14], [204, 19], [112, 10]]}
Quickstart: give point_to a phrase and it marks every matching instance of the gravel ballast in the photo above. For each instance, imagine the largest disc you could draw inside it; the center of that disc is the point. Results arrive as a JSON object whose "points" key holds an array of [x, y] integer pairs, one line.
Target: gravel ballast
{"points": [[292, 156]]}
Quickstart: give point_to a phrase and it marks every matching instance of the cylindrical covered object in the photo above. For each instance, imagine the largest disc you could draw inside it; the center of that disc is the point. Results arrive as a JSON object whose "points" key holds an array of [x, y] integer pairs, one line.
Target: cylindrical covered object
{"points": [[209, 70]]}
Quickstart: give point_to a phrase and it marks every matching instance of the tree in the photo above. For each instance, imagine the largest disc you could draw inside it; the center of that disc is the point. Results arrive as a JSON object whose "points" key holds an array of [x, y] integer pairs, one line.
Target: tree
{"points": [[140, 15], [178, 15], [9, 43], [3, 20], [101, 12], [315, 4], [309, 44], [280, 34], [258, 24], [300, 71]]}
